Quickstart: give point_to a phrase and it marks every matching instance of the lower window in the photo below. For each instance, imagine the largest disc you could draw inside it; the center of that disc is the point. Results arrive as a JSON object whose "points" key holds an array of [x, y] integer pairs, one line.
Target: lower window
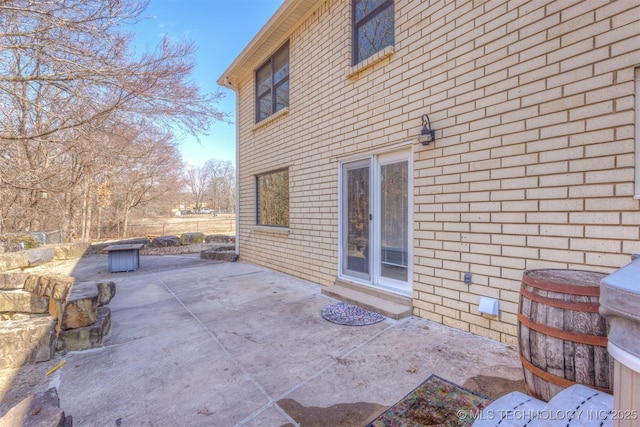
{"points": [[272, 195]]}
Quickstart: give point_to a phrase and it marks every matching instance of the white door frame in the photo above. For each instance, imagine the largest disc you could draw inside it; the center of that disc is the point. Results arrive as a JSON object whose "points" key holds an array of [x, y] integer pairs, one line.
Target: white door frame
{"points": [[375, 161], [343, 233]]}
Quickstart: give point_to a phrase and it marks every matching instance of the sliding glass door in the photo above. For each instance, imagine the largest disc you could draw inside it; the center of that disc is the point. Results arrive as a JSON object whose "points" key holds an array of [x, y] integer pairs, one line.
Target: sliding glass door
{"points": [[375, 221]]}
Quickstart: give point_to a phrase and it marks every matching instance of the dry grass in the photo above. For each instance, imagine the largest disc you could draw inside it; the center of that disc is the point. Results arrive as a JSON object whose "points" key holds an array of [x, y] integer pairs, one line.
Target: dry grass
{"points": [[207, 224]]}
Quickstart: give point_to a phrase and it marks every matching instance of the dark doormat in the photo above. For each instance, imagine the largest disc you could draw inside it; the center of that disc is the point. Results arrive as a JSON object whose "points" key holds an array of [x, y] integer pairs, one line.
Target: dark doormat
{"points": [[344, 313], [435, 402]]}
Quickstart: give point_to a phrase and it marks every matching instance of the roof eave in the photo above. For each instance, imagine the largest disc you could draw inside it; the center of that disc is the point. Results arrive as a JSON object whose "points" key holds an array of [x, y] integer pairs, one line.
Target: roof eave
{"points": [[274, 33]]}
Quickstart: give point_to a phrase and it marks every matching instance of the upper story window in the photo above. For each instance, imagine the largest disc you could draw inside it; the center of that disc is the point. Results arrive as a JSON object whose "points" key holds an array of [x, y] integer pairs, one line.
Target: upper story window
{"points": [[272, 84], [373, 27]]}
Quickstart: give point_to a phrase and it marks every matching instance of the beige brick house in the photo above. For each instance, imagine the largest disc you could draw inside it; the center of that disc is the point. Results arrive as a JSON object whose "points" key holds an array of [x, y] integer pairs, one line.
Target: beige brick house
{"points": [[534, 105]]}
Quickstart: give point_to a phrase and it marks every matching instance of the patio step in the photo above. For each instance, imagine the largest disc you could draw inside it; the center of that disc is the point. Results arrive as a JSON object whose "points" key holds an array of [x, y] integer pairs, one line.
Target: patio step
{"points": [[392, 305]]}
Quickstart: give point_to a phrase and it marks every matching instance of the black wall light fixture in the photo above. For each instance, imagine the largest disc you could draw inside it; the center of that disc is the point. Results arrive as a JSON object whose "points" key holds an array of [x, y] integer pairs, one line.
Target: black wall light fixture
{"points": [[426, 134]]}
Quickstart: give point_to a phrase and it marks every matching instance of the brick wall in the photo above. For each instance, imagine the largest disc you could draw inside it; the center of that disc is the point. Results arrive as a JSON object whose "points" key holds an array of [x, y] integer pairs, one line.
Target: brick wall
{"points": [[533, 166]]}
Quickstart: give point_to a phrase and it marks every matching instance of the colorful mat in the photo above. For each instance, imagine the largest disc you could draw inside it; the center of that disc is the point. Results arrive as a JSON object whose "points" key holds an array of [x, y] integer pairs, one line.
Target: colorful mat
{"points": [[435, 402], [344, 313]]}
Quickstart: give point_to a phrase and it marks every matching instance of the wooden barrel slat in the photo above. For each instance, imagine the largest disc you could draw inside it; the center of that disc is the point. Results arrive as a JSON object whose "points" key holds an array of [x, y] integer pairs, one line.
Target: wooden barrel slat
{"points": [[589, 307], [558, 281], [603, 372], [555, 332], [561, 335]]}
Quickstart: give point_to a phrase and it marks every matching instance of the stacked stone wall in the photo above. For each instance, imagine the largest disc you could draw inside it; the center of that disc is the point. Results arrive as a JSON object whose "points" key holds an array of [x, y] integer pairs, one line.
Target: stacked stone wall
{"points": [[42, 313]]}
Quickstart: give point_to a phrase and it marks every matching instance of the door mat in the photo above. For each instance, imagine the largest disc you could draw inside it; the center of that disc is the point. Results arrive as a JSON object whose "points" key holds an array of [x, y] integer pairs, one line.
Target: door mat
{"points": [[435, 402], [344, 313]]}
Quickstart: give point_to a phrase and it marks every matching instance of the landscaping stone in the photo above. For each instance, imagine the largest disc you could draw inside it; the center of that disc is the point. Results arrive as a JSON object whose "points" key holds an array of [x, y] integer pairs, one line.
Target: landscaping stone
{"points": [[39, 256], [12, 280], [62, 288], [106, 292], [220, 238], [26, 316], [81, 309], [86, 337], [32, 284], [23, 301], [38, 410], [164, 241], [70, 250], [219, 253], [13, 261], [139, 240], [54, 286], [191, 238], [27, 341]]}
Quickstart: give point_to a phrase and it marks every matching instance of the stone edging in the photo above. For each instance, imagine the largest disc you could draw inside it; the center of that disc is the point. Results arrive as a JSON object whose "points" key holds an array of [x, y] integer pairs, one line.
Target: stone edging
{"points": [[34, 257]]}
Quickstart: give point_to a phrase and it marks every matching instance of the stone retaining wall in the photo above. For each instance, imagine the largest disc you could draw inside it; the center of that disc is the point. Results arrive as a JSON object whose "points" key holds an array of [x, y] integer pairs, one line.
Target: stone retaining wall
{"points": [[29, 310], [42, 313]]}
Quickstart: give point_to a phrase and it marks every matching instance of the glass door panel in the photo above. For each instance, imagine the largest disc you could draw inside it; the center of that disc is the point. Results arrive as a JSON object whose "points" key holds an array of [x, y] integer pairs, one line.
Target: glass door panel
{"points": [[394, 219], [356, 220], [375, 215]]}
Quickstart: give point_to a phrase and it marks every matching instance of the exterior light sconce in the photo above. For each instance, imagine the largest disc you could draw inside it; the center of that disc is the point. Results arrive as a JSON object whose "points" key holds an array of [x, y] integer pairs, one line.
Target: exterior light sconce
{"points": [[426, 134]]}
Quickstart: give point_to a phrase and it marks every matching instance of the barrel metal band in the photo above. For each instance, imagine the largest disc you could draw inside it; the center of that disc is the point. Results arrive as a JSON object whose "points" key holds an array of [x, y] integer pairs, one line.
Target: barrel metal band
{"points": [[589, 307], [589, 291], [554, 379], [562, 334]]}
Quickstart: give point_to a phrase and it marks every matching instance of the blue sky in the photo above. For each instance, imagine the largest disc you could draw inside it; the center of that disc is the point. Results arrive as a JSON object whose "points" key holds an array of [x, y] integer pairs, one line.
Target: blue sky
{"points": [[220, 30]]}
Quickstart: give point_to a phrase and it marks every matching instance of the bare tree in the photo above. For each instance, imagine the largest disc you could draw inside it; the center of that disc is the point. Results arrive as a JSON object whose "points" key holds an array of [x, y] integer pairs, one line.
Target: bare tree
{"points": [[148, 169], [220, 188], [73, 51], [77, 108], [196, 178]]}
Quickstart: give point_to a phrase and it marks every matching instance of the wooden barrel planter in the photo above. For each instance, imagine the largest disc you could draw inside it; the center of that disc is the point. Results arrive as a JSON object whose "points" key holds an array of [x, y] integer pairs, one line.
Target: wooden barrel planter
{"points": [[561, 335]]}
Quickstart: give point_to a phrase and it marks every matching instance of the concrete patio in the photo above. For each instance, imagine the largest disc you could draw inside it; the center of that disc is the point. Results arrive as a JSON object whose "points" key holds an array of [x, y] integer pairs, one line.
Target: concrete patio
{"points": [[197, 342]]}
